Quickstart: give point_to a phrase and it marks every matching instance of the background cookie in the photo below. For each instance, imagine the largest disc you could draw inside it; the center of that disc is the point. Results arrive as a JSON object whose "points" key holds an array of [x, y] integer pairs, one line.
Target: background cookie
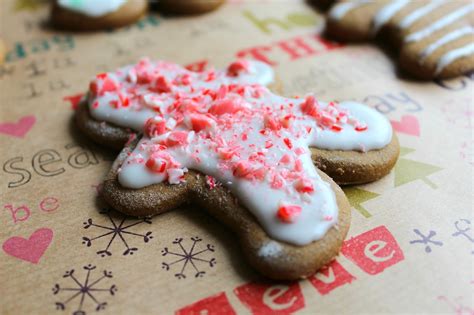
{"points": [[91, 15], [272, 258], [3, 51], [187, 6], [434, 37]]}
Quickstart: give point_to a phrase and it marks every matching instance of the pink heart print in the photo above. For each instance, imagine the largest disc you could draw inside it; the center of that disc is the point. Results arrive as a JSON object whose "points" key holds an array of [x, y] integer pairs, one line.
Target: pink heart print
{"points": [[18, 129], [408, 125], [31, 249]]}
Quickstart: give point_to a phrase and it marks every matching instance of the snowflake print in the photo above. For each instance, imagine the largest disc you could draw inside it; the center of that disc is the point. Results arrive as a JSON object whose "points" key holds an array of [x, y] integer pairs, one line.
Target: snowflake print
{"points": [[426, 240], [86, 290], [186, 257], [116, 229]]}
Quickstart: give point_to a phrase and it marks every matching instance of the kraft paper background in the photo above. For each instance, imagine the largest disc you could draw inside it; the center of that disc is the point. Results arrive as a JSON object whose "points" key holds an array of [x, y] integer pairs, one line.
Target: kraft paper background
{"points": [[410, 246]]}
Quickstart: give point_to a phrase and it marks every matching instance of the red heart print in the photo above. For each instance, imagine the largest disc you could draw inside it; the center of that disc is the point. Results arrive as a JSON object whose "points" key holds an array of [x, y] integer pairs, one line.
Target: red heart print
{"points": [[20, 128], [408, 124], [31, 249]]}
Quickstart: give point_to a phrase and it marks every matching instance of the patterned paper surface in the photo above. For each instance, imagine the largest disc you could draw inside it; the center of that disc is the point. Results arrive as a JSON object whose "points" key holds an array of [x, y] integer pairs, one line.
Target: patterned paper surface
{"points": [[410, 247]]}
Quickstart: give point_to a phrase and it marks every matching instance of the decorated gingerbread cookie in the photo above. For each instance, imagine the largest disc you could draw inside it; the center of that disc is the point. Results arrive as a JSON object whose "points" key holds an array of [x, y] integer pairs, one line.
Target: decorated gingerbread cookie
{"points": [[223, 140], [351, 142], [435, 37], [184, 7], [91, 15]]}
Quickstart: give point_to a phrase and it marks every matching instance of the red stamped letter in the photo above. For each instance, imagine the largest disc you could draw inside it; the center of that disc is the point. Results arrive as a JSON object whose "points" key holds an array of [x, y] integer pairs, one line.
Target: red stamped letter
{"points": [[214, 305], [331, 277], [49, 204], [19, 214], [374, 250], [263, 298]]}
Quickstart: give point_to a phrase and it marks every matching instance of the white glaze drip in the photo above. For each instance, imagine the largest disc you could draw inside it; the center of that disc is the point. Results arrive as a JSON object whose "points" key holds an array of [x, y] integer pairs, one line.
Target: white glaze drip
{"points": [[386, 13], [439, 24], [419, 13], [453, 56], [341, 9], [446, 39]]}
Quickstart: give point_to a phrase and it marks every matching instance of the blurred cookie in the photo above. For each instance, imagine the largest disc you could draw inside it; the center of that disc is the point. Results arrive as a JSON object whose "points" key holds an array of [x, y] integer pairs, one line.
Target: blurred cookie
{"points": [[3, 51], [435, 38], [184, 7], [92, 15]]}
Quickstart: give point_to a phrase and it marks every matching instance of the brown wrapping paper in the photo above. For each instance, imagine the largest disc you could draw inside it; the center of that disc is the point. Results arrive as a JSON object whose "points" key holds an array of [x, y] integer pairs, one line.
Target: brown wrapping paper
{"points": [[409, 248]]}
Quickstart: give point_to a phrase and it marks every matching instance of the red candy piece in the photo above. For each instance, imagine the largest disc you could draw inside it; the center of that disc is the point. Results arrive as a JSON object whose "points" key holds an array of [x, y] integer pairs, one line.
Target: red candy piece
{"points": [[162, 85], [238, 67], [304, 185], [310, 106], [200, 122], [226, 106], [272, 123], [177, 138], [242, 169], [288, 213], [156, 165], [155, 126], [109, 85]]}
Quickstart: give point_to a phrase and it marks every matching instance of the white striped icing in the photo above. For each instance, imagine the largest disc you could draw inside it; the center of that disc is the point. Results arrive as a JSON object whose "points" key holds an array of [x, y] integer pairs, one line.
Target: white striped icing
{"points": [[452, 36], [340, 10], [453, 56], [386, 13], [416, 15], [439, 24]]}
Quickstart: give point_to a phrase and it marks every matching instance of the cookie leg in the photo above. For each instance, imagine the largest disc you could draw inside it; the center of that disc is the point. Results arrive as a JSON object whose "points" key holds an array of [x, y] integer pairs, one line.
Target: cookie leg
{"points": [[271, 257]]}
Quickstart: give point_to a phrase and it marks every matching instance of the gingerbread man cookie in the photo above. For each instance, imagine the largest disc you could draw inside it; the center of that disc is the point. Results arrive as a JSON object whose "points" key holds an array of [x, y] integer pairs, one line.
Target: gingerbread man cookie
{"points": [[92, 15], [350, 142], [435, 37], [223, 140]]}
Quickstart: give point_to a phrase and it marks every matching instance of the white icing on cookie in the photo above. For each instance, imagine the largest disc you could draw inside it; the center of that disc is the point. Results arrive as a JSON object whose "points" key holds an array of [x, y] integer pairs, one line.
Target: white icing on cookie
{"points": [[453, 56], [446, 39], [270, 249], [439, 24], [338, 11], [92, 8], [386, 13], [135, 116], [420, 13], [377, 136], [223, 124]]}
